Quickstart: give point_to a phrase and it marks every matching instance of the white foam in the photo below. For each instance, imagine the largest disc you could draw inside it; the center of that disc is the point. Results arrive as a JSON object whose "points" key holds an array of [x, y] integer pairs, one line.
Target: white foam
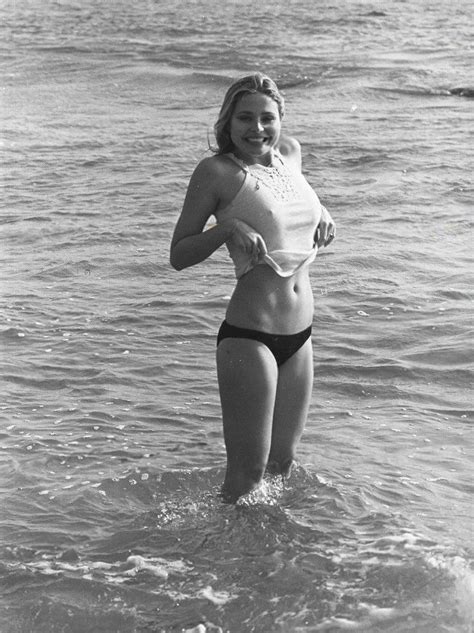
{"points": [[371, 615], [378, 613], [459, 569], [216, 597], [200, 628], [343, 624], [268, 493], [115, 573], [134, 564]]}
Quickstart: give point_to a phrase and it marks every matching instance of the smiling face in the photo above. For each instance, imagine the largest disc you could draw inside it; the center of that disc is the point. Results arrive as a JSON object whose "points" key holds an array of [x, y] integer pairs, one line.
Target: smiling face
{"points": [[255, 127]]}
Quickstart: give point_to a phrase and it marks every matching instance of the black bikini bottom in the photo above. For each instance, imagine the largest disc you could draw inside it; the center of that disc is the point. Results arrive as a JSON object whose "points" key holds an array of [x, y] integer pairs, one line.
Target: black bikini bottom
{"points": [[282, 346]]}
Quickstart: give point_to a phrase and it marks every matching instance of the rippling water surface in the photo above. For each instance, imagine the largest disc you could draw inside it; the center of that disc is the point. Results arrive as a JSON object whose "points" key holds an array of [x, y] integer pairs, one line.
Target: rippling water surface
{"points": [[111, 453]]}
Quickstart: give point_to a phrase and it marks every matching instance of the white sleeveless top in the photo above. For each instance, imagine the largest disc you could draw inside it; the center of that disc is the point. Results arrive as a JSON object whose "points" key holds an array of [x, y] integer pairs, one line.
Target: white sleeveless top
{"points": [[278, 203]]}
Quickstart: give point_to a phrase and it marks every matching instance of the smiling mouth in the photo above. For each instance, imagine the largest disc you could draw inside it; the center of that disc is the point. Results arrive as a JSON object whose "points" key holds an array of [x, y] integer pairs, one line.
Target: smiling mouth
{"points": [[256, 139]]}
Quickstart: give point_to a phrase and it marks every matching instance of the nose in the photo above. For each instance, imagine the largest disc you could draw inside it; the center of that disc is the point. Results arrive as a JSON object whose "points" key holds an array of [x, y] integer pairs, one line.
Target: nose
{"points": [[258, 127]]}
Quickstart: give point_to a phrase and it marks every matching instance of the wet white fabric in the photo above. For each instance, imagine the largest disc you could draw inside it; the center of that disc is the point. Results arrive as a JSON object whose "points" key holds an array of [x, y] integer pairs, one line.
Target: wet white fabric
{"points": [[278, 203]]}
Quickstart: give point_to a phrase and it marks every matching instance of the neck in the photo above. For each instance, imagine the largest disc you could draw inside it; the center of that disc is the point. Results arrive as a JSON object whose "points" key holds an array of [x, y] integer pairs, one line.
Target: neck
{"points": [[266, 160]]}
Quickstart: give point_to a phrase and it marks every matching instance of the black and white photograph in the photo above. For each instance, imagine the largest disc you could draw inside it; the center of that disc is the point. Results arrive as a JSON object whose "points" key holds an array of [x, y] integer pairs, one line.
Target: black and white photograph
{"points": [[236, 339]]}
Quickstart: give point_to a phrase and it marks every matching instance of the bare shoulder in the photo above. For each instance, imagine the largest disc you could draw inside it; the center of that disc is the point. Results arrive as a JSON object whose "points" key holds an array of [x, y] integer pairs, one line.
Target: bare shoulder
{"points": [[215, 181], [288, 145], [216, 165], [210, 172], [290, 149], [206, 169]]}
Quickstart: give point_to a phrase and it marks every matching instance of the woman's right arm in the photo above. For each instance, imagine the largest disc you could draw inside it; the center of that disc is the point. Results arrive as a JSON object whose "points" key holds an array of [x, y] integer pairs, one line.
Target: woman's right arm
{"points": [[190, 245]]}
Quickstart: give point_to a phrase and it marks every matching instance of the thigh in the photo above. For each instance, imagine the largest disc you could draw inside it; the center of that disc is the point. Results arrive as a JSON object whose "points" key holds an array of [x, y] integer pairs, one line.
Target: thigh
{"points": [[247, 375], [293, 397]]}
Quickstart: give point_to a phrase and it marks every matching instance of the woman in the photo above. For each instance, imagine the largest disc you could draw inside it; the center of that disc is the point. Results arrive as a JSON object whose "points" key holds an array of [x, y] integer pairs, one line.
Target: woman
{"points": [[272, 223]]}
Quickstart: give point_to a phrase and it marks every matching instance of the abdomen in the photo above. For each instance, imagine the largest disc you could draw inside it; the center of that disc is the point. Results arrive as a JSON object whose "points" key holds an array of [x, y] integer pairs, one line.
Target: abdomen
{"points": [[262, 300]]}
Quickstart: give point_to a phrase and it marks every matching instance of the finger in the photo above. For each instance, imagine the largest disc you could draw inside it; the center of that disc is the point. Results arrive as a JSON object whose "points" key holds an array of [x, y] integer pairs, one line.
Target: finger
{"points": [[251, 248], [331, 235], [248, 244], [262, 247], [322, 234]]}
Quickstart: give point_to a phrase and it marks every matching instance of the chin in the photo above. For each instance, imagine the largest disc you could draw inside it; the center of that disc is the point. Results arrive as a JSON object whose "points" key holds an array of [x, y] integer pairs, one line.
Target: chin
{"points": [[261, 150]]}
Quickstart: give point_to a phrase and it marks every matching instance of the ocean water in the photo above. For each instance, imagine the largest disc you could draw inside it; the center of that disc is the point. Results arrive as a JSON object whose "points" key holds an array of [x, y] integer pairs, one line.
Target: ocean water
{"points": [[111, 452]]}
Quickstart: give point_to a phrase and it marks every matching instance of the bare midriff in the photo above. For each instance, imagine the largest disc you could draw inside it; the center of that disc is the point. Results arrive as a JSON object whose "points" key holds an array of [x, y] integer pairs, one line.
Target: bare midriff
{"points": [[264, 301]]}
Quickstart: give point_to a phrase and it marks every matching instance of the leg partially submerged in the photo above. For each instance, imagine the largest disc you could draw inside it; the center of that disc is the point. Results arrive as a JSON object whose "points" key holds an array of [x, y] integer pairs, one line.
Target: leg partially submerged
{"points": [[264, 410], [293, 397], [248, 376]]}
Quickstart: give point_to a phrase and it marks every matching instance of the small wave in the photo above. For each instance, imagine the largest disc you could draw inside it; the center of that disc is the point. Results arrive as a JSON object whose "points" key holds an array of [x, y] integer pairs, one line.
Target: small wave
{"points": [[466, 415], [462, 92], [63, 49], [292, 80], [212, 78], [46, 384], [70, 564], [422, 91], [370, 615], [12, 219], [57, 271], [11, 334], [451, 293]]}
